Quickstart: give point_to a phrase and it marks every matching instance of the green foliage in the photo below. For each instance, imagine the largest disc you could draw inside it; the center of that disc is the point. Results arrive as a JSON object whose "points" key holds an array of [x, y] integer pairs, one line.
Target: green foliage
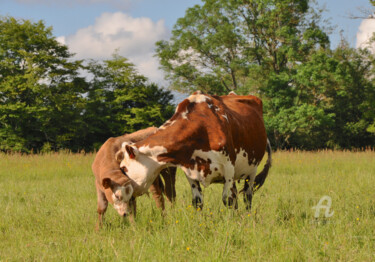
{"points": [[40, 91], [45, 105], [313, 97], [121, 101], [215, 46]]}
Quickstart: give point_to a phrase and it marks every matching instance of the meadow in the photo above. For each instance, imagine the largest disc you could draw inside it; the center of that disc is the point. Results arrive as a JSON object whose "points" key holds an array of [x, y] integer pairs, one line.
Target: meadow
{"points": [[48, 213]]}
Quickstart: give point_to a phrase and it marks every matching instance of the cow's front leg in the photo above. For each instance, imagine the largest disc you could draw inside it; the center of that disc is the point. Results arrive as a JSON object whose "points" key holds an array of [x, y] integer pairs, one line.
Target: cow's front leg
{"points": [[102, 206], [229, 191], [196, 192]]}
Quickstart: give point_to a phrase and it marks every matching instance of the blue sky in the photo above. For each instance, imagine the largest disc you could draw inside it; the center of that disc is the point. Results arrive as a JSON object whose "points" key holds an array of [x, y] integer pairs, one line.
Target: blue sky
{"points": [[95, 28]]}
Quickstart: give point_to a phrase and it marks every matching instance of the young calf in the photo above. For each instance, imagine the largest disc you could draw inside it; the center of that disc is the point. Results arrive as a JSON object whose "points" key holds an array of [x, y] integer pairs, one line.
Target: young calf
{"points": [[113, 185]]}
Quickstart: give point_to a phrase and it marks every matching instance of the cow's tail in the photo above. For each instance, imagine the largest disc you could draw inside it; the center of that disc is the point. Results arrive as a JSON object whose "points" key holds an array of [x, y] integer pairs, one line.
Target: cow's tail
{"points": [[261, 177]]}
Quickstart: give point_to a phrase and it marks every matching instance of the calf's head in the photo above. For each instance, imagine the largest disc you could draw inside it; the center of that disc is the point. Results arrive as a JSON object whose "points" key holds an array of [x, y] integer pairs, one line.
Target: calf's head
{"points": [[120, 193]]}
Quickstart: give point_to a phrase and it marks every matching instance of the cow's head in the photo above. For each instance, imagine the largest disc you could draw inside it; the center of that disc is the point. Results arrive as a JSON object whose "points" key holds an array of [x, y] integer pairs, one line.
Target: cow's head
{"points": [[140, 165], [121, 192]]}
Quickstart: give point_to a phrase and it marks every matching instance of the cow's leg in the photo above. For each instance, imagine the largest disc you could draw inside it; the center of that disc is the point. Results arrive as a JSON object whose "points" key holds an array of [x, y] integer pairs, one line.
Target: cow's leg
{"points": [[169, 176], [102, 206], [248, 191], [157, 192], [196, 193], [229, 191], [232, 200]]}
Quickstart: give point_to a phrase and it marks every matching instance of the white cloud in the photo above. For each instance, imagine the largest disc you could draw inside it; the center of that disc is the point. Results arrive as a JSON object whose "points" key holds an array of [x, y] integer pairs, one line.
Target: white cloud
{"points": [[121, 4], [134, 38], [365, 32]]}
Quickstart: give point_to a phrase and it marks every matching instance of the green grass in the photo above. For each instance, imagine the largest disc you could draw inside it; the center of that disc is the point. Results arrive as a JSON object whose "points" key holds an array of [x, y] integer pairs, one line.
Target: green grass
{"points": [[48, 213]]}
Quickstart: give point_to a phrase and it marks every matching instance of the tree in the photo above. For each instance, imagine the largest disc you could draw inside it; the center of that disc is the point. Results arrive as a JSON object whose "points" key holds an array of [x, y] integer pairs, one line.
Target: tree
{"points": [[122, 101], [226, 45], [40, 92], [251, 46]]}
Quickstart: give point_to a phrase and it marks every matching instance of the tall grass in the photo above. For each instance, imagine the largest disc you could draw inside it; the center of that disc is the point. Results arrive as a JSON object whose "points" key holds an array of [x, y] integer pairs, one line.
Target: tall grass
{"points": [[48, 205]]}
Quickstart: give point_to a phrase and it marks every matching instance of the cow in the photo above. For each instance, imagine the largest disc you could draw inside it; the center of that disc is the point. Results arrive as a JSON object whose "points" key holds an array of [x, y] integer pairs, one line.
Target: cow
{"points": [[112, 184], [213, 139]]}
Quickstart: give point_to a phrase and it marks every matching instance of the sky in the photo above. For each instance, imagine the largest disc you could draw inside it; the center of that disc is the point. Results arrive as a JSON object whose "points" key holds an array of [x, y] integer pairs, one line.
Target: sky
{"points": [[94, 29]]}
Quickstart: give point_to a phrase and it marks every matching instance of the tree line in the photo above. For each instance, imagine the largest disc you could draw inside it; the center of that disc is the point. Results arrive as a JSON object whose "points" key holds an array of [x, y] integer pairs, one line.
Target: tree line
{"points": [[47, 105], [313, 96]]}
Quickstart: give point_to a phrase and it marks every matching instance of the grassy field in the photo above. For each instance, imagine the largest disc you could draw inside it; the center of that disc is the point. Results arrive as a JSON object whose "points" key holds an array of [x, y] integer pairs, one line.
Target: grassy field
{"points": [[48, 213]]}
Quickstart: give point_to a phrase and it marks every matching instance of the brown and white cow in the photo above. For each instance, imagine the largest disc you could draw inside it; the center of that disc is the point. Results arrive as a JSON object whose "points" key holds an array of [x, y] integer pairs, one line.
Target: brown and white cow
{"points": [[212, 138], [112, 184]]}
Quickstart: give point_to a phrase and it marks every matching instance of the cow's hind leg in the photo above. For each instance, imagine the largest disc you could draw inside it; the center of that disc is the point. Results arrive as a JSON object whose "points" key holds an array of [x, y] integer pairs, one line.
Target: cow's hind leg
{"points": [[248, 192], [196, 193]]}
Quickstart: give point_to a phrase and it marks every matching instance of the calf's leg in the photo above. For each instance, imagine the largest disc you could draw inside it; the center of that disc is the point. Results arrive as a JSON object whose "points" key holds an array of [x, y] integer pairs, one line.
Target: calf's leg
{"points": [[157, 192], [102, 206]]}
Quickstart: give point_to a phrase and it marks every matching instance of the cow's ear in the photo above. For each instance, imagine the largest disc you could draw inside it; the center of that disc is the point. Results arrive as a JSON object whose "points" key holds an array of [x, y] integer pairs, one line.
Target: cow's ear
{"points": [[132, 151], [119, 156], [106, 182]]}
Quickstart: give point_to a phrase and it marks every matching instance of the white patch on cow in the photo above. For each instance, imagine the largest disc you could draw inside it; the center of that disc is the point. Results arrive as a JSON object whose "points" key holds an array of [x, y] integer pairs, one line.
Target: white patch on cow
{"points": [[226, 117], [221, 167], [232, 93], [218, 162], [184, 114], [217, 109], [153, 151], [242, 167], [167, 124], [144, 168], [198, 98]]}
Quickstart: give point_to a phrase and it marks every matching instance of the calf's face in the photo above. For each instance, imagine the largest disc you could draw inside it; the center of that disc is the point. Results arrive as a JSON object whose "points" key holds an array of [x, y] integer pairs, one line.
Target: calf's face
{"points": [[120, 195]]}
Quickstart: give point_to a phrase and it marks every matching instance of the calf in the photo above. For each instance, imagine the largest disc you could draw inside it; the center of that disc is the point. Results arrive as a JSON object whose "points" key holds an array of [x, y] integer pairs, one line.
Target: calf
{"points": [[112, 184], [212, 138]]}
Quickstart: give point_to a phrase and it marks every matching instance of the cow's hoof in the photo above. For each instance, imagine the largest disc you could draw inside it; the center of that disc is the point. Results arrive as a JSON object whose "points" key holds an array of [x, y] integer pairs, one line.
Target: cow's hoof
{"points": [[232, 202], [197, 203]]}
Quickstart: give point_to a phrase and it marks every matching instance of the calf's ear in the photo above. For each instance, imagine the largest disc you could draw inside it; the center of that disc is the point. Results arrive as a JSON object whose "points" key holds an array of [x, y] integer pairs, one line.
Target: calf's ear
{"points": [[106, 182], [119, 156]]}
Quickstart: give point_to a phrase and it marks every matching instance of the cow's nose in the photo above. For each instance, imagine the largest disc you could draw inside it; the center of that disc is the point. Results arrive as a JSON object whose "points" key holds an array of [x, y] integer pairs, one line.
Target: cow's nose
{"points": [[125, 214]]}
